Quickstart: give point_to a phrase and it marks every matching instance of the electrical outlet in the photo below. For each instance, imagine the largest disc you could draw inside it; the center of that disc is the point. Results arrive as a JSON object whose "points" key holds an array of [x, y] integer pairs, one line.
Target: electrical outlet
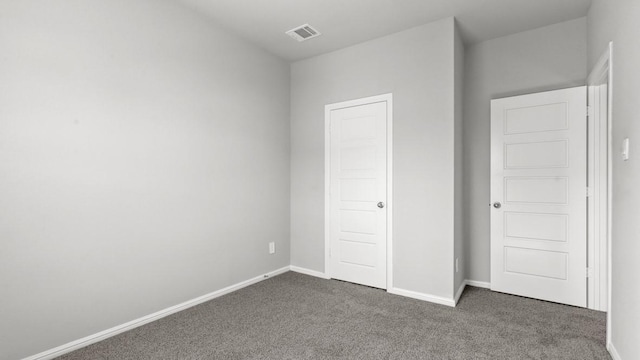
{"points": [[272, 248], [456, 264]]}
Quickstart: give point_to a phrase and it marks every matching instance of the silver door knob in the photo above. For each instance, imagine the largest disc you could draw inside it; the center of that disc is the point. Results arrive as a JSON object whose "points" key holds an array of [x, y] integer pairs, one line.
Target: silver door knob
{"points": [[380, 204], [497, 205]]}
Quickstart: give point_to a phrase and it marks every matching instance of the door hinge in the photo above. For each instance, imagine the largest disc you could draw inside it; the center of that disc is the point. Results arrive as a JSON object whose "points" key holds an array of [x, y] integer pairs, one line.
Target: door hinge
{"points": [[589, 272], [589, 111], [589, 194]]}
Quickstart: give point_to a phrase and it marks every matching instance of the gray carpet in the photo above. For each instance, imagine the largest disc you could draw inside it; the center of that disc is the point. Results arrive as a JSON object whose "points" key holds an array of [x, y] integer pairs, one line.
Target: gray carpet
{"points": [[294, 316]]}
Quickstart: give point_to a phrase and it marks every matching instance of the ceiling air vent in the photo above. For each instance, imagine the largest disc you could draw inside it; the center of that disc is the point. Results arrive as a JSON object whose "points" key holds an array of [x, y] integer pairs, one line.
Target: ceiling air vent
{"points": [[303, 32]]}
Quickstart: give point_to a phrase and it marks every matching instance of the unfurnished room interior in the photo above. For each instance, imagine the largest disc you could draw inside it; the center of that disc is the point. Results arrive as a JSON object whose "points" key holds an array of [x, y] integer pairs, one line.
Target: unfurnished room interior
{"points": [[362, 179]]}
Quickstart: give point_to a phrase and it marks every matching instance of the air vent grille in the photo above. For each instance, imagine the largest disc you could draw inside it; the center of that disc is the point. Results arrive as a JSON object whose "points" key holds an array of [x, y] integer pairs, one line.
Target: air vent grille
{"points": [[303, 32]]}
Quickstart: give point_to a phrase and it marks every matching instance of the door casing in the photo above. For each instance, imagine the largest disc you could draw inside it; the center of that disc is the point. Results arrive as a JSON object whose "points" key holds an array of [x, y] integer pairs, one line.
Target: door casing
{"points": [[600, 125], [388, 98]]}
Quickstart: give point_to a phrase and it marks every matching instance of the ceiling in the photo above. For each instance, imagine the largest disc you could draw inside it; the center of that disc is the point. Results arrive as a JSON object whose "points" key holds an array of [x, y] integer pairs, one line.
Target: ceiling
{"points": [[347, 22]]}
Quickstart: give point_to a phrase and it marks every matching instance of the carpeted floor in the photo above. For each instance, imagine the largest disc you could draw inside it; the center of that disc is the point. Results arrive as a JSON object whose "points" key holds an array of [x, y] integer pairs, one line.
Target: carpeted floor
{"points": [[294, 316]]}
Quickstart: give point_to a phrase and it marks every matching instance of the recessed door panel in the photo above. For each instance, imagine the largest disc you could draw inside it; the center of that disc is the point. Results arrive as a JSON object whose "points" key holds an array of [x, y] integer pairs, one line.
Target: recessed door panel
{"points": [[535, 118], [358, 189], [358, 158], [550, 227], [537, 154], [357, 253], [358, 128], [533, 262], [536, 190], [358, 221]]}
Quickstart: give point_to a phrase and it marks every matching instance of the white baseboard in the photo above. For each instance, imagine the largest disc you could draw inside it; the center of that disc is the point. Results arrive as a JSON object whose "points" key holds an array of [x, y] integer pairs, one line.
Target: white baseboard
{"points": [[309, 272], [613, 352], [480, 284], [439, 299], [421, 296], [75, 345], [395, 291], [456, 298]]}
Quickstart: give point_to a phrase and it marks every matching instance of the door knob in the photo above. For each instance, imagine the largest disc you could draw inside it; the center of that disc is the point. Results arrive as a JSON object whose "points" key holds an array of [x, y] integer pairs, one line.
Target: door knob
{"points": [[380, 204], [497, 205]]}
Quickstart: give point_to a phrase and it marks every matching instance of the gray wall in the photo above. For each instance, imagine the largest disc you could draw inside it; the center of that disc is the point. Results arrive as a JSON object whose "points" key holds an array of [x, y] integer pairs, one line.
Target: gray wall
{"points": [[459, 164], [617, 21], [417, 67], [548, 58], [144, 161]]}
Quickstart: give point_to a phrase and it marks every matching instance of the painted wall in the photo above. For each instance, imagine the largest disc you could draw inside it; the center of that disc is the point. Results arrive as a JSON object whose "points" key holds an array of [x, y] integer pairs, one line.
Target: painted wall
{"points": [[144, 161], [459, 161], [547, 58], [618, 22], [417, 67]]}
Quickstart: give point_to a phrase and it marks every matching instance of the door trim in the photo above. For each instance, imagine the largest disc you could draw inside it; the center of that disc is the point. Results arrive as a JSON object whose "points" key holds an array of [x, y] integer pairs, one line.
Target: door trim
{"points": [[601, 74], [599, 158], [388, 98]]}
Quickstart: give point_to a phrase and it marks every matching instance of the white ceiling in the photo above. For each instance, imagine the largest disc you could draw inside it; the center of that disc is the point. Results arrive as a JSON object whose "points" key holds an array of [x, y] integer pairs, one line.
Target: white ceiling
{"points": [[348, 22]]}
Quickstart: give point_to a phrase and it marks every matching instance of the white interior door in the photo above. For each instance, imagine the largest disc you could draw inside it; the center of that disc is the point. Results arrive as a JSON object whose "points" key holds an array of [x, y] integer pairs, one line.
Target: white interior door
{"points": [[358, 193], [539, 190]]}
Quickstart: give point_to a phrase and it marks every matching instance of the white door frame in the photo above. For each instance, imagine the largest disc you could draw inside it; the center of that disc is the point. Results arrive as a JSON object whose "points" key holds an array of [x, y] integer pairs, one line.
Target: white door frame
{"points": [[388, 98], [600, 148]]}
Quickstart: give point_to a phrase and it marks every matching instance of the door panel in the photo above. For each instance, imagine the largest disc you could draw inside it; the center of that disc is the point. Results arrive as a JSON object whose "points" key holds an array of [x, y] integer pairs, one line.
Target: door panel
{"points": [[536, 118], [532, 262], [358, 173], [543, 190], [536, 155], [538, 174], [550, 227]]}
